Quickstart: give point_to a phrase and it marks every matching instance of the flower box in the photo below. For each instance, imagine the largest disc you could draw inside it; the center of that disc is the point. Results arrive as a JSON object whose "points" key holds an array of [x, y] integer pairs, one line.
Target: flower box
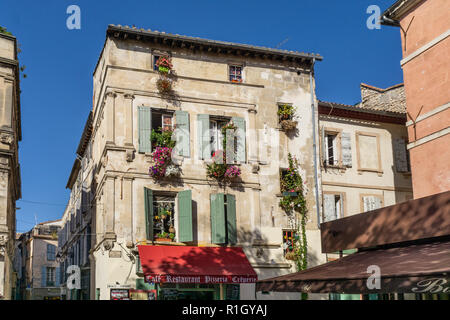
{"points": [[288, 125], [290, 256], [163, 240]]}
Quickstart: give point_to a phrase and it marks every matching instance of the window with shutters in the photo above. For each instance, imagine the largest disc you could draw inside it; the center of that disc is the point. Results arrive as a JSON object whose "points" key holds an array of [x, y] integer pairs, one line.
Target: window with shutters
{"points": [[168, 215], [215, 127], [210, 136], [336, 148], [371, 202], [331, 155], [162, 122], [333, 206], [50, 276]]}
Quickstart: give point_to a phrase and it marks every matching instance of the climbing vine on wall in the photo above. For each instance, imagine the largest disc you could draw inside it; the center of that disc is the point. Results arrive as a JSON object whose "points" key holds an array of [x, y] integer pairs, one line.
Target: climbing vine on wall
{"points": [[293, 204]]}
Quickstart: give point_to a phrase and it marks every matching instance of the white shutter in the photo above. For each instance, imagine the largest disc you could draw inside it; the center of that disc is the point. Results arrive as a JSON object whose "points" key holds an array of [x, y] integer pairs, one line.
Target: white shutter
{"points": [[324, 147], [371, 203], [346, 146], [366, 203], [329, 206], [339, 206], [400, 157], [376, 203]]}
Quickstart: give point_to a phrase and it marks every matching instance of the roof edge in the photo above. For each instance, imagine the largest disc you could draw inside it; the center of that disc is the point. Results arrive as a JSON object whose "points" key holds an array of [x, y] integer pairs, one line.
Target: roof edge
{"points": [[211, 43], [381, 89]]}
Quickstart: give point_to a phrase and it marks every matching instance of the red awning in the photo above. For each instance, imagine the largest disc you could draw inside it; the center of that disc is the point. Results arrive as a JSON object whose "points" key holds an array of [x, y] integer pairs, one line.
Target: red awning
{"points": [[185, 264]]}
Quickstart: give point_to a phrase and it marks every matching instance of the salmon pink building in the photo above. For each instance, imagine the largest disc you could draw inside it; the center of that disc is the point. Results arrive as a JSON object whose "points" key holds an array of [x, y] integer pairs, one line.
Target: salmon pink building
{"points": [[425, 39]]}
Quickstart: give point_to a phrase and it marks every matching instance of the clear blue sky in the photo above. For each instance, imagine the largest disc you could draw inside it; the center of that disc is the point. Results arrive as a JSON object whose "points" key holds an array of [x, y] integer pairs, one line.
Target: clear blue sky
{"points": [[57, 94]]}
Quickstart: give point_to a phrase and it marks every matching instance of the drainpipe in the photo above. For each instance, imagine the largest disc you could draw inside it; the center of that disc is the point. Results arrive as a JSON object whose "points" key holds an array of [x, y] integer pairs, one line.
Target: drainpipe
{"points": [[313, 115]]}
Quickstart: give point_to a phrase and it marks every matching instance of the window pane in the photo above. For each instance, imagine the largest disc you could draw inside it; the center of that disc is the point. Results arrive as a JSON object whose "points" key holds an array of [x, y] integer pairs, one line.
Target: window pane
{"points": [[167, 122], [164, 217], [155, 59], [156, 121]]}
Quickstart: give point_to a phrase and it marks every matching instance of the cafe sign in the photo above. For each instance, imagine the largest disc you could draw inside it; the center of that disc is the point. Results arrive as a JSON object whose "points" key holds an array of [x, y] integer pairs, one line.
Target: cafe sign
{"points": [[204, 279]]}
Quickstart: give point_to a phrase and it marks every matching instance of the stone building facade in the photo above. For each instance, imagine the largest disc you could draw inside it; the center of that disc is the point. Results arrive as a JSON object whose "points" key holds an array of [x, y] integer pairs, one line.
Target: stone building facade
{"points": [[215, 82], [36, 263], [364, 159], [10, 135], [75, 237]]}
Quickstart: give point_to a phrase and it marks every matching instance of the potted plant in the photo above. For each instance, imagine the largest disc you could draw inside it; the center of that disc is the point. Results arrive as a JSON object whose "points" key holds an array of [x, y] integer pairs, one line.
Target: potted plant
{"points": [[290, 255], [288, 125], [285, 111], [285, 114], [164, 64], [163, 237]]}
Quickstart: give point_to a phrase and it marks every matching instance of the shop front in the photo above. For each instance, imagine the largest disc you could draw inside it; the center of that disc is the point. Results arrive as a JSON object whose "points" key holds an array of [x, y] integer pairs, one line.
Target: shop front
{"points": [[403, 254], [195, 273]]}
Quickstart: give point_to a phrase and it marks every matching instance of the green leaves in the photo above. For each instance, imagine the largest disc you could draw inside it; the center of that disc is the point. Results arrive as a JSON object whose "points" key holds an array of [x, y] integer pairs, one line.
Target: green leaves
{"points": [[3, 30], [293, 201], [162, 138]]}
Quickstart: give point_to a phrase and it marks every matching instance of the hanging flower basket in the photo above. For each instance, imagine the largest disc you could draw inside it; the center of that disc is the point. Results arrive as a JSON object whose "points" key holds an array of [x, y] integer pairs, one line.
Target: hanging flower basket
{"points": [[291, 256], [288, 125], [164, 85]]}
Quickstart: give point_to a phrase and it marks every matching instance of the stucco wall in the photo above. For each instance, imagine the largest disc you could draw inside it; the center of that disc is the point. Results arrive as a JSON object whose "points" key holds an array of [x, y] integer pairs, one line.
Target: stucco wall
{"points": [[392, 186]]}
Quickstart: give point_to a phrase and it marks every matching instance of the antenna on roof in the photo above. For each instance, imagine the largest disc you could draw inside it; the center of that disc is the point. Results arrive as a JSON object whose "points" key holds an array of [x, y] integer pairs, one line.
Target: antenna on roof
{"points": [[281, 43]]}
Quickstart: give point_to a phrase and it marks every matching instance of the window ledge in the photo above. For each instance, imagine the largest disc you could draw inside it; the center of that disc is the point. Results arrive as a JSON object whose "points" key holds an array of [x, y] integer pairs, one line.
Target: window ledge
{"points": [[167, 243], [336, 167], [380, 173]]}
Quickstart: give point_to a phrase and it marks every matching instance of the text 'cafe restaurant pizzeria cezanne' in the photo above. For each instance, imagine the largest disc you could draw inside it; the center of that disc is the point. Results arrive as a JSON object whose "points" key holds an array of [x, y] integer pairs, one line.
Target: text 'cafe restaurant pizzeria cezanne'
{"points": [[195, 273]]}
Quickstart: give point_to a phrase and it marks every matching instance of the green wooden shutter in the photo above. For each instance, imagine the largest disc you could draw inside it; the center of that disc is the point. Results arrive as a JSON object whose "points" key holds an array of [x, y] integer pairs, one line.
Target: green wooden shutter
{"points": [[231, 219], [148, 198], [204, 137], [182, 136], [218, 228], [185, 216], [43, 276], [240, 144], [145, 129]]}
